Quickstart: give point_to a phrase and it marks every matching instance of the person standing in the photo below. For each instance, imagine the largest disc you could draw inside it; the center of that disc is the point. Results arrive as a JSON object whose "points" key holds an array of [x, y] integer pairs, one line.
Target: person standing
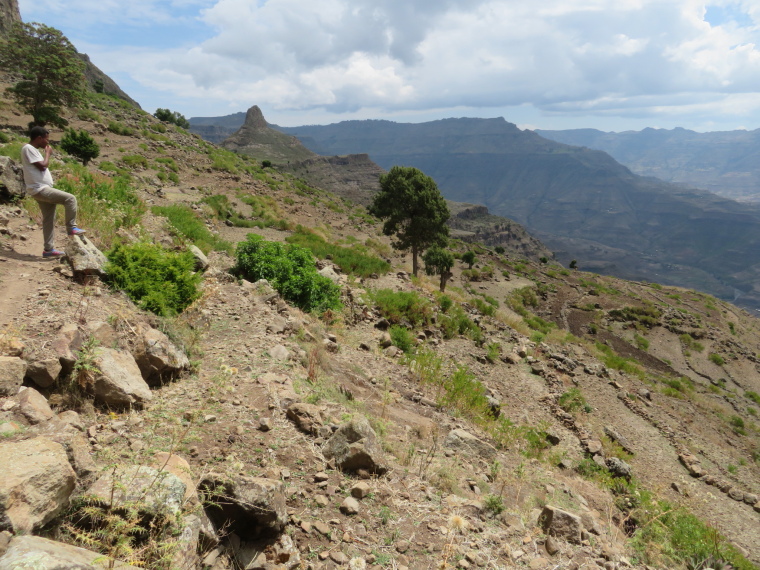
{"points": [[39, 185]]}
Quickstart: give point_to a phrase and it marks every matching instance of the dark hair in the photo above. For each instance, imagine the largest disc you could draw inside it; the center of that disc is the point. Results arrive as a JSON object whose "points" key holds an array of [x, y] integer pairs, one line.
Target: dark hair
{"points": [[37, 131]]}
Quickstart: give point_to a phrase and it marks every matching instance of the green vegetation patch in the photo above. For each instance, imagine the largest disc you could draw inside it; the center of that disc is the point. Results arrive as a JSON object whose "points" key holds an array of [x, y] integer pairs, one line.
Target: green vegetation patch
{"points": [[647, 316], [187, 226], [403, 306], [290, 270], [104, 204], [355, 259], [158, 280]]}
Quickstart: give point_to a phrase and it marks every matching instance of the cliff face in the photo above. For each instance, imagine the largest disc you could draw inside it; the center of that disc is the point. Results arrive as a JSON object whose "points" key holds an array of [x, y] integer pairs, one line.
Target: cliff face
{"points": [[93, 74], [9, 15]]}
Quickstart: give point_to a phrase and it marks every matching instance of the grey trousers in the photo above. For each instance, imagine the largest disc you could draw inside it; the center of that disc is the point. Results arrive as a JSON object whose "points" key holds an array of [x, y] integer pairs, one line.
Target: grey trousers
{"points": [[48, 198]]}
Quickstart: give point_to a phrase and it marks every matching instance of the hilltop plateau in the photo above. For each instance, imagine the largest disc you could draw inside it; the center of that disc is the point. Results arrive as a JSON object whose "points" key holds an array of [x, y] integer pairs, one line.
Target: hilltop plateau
{"points": [[533, 416]]}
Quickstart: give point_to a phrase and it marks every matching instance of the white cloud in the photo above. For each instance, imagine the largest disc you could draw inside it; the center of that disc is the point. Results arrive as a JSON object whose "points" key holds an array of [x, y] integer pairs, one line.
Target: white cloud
{"points": [[606, 57]]}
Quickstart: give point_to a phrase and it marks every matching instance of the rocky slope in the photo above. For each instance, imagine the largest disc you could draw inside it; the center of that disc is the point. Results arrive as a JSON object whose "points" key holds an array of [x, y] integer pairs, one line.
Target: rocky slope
{"points": [[288, 440]]}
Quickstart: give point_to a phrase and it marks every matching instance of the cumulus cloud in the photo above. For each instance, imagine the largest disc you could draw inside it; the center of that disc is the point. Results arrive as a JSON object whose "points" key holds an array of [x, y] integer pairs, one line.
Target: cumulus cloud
{"points": [[605, 57]]}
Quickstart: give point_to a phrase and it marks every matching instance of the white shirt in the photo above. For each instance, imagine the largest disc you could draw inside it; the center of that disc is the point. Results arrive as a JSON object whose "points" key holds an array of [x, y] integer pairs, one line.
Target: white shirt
{"points": [[34, 177]]}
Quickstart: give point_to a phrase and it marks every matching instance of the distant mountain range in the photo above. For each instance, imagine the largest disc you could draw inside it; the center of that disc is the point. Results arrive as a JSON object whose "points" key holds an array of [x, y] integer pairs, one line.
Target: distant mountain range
{"points": [[580, 202], [726, 163]]}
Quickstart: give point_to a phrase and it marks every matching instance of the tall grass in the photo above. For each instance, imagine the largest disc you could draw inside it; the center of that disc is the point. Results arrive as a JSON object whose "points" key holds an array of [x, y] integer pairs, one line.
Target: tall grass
{"points": [[355, 259], [188, 227], [104, 204]]}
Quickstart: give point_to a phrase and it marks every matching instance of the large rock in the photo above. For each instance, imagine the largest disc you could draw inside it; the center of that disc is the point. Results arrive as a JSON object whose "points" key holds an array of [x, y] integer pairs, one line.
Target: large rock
{"points": [[561, 524], [119, 381], [157, 356], [12, 372], [201, 261], [34, 407], [37, 553], [44, 372], [618, 467], [176, 465], [11, 179], [463, 441], [151, 491], [65, 344], [355, 446], [35, 485], [306, 417], [84, 258], [248, 506]]}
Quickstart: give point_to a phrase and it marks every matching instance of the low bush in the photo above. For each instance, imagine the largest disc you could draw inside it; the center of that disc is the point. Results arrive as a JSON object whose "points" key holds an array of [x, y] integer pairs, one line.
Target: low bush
{"points": [[120, 129], [716, 359], [754, 396], [158, 280], [572, 401], [457, 322], [483, 307], [290, 270], [133, 160], [646, 316], [690, 344], [400, 306], [402, 338], [80, 144]]}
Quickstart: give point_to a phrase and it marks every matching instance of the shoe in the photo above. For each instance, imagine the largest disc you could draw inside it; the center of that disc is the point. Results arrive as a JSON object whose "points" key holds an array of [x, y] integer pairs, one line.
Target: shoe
{"points": [[53, 253], [75, 231]]}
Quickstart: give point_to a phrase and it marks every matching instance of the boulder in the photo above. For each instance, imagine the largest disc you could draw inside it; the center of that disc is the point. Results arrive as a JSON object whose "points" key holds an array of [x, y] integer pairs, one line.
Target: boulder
{"points": [[618, 467], [177, 466], [248, 506], [561, 524], [45, 372], [77, 449], [201, 261], [613, 434], [33, 406], [152, 491], [119, 381], [306, 417], [65, 344], [12, 372], [157, 356], [355, 446], [11, 179], [463, 441], [84, 258], [35, 552], [36, 483], [280, 353], [329, 272]]}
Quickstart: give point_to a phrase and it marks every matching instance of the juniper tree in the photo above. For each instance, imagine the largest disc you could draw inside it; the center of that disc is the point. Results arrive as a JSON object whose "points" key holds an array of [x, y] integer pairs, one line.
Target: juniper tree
{"points": [[52, 76], [413, 209], [81, 145], [438, 261]]}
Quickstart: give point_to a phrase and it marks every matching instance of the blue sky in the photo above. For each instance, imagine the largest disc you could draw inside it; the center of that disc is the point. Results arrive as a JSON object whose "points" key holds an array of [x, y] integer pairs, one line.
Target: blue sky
{"points": [[613, 65]]}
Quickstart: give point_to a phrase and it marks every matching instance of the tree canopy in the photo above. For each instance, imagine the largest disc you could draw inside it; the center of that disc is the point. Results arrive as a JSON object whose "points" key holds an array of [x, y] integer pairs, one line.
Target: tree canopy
{"points": [[52, 76], [81, 145], [413, 209], [438, 261], [172, 117]]}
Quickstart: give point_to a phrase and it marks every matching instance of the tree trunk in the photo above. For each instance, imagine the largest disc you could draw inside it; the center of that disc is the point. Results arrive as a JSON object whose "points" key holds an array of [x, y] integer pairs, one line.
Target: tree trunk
{"points": [[445, 276], [414, 261]]}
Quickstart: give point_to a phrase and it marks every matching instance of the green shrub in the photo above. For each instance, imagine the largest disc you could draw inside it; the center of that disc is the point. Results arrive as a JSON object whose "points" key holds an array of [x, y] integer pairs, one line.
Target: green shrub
{"points": [[172, 117], [737, 424], [717, 359], [641, 342], [156, 279], [499, 249], [169, 162], [647, 316], [483, 307], [754, 396], [457, 322], [494, 503], [290, 270], [572, 401], [400, 306], [691, 344], [402, 338], [186, 225], [80, 144], [445, 303], [133, 160], [120, 129]]}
